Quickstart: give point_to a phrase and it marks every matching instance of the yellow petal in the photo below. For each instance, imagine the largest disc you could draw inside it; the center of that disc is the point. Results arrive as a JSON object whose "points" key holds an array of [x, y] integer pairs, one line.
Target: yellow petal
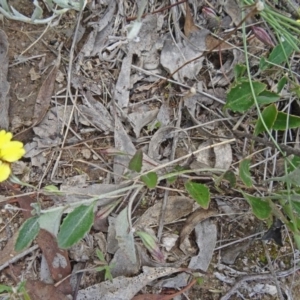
{"points": [[4, 171], [11, 151], [5, 137]]}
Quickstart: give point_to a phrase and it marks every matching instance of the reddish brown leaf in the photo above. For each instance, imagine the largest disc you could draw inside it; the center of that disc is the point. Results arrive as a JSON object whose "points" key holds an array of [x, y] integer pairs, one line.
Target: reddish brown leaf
{"points": [[57, 259], [38, 290]]}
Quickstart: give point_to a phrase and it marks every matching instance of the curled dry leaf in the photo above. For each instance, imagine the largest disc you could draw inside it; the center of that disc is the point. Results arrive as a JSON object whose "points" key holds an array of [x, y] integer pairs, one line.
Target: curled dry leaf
{"points": [[195, 218]]}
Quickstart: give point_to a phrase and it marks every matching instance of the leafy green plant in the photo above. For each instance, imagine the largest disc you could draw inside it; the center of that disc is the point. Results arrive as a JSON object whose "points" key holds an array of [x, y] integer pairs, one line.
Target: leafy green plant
{"points": [[104, 266], [14, 292], [247, 94]]}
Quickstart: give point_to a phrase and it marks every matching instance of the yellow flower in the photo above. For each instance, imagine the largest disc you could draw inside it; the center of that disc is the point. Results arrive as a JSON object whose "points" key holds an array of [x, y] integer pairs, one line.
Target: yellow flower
{"points": [[4, 171], [10, 151]]}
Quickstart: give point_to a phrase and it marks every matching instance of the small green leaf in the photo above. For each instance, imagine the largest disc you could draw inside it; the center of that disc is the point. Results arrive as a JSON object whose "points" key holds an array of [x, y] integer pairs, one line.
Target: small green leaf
{"points": [[199, 192], [5, 288], [280, 85], [281, 121], [244, 171], [230, 176], [261, 209], [150, 179], [297, 240], [295, 160], [100, 255], [269, 115], [239, 71], [136, 161], [52, 189], [27, 233], [240, 97], [267, 97], [75, 226], [278, 55]]}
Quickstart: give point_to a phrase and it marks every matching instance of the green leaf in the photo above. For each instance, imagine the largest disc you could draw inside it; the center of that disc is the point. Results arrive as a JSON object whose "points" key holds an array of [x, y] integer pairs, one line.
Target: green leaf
{"points": [[278, 55], [150, 179], [295, 161], [267, 97], [269, 115], [244, 171], [136, 161], [280, 85], [52, 189], [281, 121], [297, 240], [240, 97], [100, 255], [199, 192], [261, 209], [75, 226], [5, 288], [239, 71], [230, 176], [27, 233]]}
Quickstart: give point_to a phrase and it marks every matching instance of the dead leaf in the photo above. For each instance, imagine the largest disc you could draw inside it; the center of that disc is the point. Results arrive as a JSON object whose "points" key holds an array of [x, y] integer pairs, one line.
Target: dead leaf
{"points": [[57, 259], [141, 118], [4, 84], [176, 208], [44, 96], [206, 239], [38, 290], [96, 113], [223, 154], [33, 75], [123, 144], [161, 135], [124, 288], [195, 218], [163, 297]]}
